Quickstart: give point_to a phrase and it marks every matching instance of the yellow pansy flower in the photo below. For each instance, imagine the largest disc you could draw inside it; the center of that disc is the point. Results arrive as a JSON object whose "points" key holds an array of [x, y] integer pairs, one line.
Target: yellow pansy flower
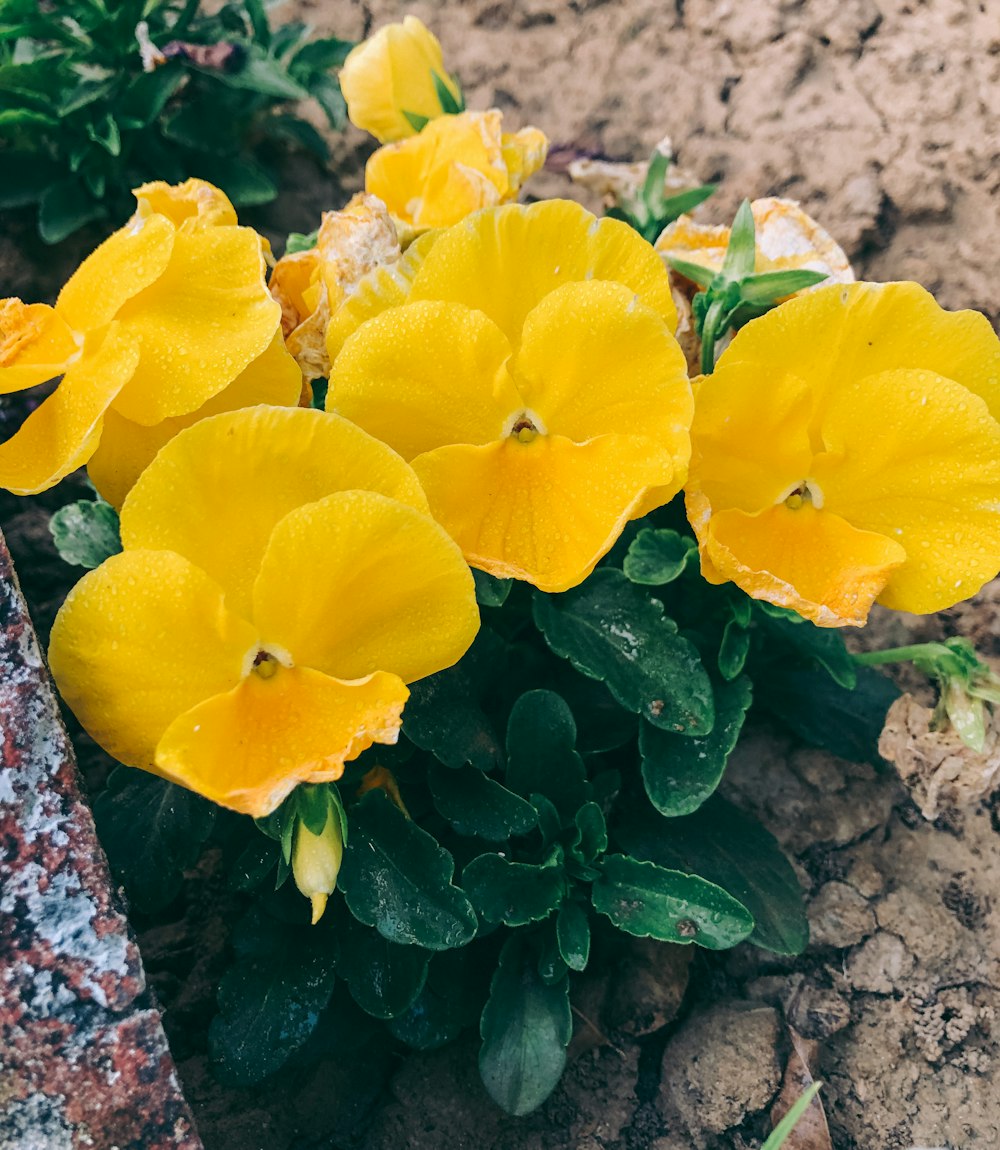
{"points": [[457, 165], [846, 450], [312, 285], [191, 654], [393, 81], [532, 380], [161, 318]]}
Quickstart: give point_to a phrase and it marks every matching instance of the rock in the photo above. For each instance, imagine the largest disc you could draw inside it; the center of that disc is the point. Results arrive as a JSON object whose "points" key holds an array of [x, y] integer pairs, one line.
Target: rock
{"points": [[881, 964], [839, 916]]}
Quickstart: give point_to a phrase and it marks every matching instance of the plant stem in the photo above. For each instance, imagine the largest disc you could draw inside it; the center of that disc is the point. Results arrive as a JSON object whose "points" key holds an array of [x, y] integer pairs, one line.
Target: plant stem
{"points": [[899, 654]]}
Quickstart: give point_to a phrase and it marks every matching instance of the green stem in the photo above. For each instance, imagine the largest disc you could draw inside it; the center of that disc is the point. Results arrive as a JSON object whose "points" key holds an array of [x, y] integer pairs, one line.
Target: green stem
{"points": [[899, 654], [711, 329]]}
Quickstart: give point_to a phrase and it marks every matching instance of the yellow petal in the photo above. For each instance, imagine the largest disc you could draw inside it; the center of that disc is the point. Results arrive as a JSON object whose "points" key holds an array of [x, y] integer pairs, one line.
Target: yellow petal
{"points": [[199, 325], [126, 449], [524, 154], [852, 330], [35, 345], [547, 510], [247, 469], [138, 642], [392, 73], [249, 748], [809, 560], [384, 589], [454, 167], [504, 261], [122, 267], [750, 437], [190, 206], [423, 375], [916, 458], [62, 432], [594, 361], [384, 287], [291, 279]]}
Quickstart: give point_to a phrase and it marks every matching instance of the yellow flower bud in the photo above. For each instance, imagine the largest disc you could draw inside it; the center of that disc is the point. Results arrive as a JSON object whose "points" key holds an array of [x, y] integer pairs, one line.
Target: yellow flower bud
{"points": [[393, 73], [316, 863]]}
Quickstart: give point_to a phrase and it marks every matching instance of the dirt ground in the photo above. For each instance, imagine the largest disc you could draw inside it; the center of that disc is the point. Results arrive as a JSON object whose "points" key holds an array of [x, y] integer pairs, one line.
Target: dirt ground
{"points": [[883, 118]]}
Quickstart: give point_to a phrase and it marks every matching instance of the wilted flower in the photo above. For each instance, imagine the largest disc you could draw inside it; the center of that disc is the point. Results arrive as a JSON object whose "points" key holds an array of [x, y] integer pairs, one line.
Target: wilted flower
{"points": [[280, 584], [159, 320], [455, 166], [532, 379], [394, 82], [846, 450]]}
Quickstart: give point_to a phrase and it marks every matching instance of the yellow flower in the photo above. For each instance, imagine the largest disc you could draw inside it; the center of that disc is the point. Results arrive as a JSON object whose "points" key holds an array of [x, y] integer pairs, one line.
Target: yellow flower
{"points": [[455, 166], [786, 237], [311, 285], [316, 860], [393, 81], [532, 380], [846, 449], [155, 323], [280, 584]]}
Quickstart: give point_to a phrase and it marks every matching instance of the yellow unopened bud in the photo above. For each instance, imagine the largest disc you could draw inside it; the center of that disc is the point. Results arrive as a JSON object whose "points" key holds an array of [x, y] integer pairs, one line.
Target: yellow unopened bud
{"points": [[316, 863], [389, 84]]}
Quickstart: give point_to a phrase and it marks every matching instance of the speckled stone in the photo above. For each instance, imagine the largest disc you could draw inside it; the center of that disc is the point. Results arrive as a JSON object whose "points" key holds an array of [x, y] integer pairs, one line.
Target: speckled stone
{"points": [[83, 1058]]}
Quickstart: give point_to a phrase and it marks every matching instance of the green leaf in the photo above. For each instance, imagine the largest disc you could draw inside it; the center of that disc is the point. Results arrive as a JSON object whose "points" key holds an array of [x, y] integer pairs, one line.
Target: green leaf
{"points": [[416, 122], [396, 878], [602, 724], [297, 132], [541, 759], [652, 902], [301, 242], [732, 849], [490, 591], [823, 714], [657, 556], [681, 772], [320, 55], [768, 287], [612, 630], [444, 715], [823, 645], [190, 126], [25, 179], [477, 805], [147, 95], [258, 21], [573, 935], [270, 1001], [696, 273], [526, 1027], [66, 206], [85, 93], [86, 533], [244, 182], [449, 104], [733, 650], [511, 892], [24, 118], [384, 978], [266, 76], [675, 206], [449, 1002], [741, 254], [653, 194], [591, 832], [152, 831], [104, 132], [326, 92], [779, 1135]]}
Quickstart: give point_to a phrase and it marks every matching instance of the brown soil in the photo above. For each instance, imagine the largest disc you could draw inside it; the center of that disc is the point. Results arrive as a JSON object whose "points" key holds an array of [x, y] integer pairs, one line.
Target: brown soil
{"points": [[883, 118]]}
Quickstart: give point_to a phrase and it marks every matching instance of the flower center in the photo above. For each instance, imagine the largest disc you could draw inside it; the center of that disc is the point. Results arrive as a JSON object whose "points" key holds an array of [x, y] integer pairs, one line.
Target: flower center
{"points": [[805, 492], [525, 427], [266, 662]]}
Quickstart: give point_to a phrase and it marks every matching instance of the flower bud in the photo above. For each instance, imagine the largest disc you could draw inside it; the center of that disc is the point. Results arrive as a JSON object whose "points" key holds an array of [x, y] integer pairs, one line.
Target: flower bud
{"points": [[316, 862], [395, 81]]}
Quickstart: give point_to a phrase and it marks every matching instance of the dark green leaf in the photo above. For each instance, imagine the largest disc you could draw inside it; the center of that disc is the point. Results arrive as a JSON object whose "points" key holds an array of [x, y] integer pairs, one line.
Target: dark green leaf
{"points": [[264, 75], [573, 934], [396, 878], [320, 55], [25, 178], [269, 1002], [449, 1002], [592, 832], [64, 207], [733, 649], [416, 122], [650, 901], [146, 96], [602, 724], [680, 772], [258, 21], [24, 118], [86, 533], [823, 645], [245, 182], [297, 132], [326, 92], [525, 1028], [444, 716], [490, 591], [511, 892], [449, 104], [152, 831], [612, 630], [657, 556], [104, 132], [541, 759], [733, 850], [85, 93], [384, 978], [823, 714], [191, 126], [477, 805]]}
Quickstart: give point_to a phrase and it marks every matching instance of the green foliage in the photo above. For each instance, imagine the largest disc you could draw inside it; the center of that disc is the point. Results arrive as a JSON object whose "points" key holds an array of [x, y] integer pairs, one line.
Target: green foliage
{"points": [[86, 533], [82, 122], [650, 209]]}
